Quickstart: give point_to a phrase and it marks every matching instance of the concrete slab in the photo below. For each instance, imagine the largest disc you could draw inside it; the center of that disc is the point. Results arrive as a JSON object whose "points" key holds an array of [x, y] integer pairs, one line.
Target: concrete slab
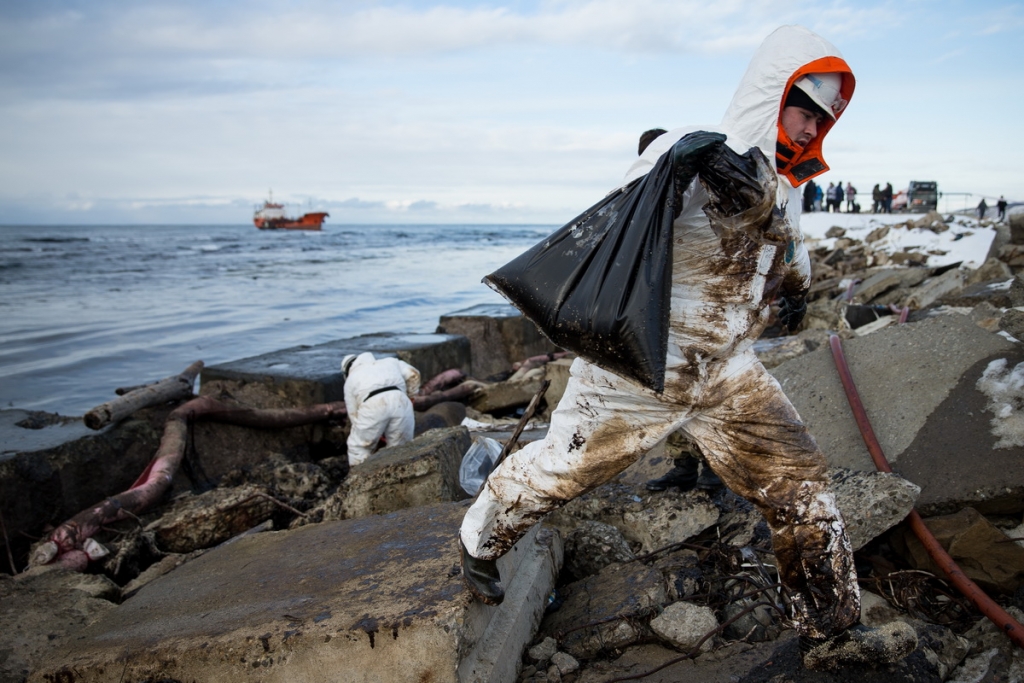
{"points": [[918, 385], [421, 472], [499, 335], [52, 468], [23, 431], [305, 375], [38, 609], [374, 599]]}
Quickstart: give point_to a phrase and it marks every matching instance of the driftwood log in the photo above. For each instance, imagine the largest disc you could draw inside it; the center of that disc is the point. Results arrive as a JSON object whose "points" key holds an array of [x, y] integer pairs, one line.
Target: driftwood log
{"points": [[173, 388], [67, 544]]}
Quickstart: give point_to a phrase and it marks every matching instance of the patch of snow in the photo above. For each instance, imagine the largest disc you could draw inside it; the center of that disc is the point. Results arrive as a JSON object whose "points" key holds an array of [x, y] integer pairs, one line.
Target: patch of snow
{"points": [[966, 241], [1005, 392]]}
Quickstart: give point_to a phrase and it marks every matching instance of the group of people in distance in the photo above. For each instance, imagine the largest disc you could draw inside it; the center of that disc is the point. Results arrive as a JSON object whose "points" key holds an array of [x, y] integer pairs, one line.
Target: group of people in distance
{"points": [[836, 194], [1000, 207]]}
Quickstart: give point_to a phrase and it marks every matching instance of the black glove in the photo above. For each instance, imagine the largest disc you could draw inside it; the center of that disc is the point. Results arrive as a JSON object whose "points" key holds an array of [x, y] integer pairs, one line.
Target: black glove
{"points": [[689, 155], [792, 310]]}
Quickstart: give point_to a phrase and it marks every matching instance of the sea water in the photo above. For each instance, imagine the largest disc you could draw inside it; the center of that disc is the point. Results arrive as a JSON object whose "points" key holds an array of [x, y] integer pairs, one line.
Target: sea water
{"points": [[87, 309]]}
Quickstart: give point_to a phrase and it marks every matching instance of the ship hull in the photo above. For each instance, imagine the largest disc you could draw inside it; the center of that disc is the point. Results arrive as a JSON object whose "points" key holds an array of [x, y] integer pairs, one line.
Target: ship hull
{"points": [[309, 221]]}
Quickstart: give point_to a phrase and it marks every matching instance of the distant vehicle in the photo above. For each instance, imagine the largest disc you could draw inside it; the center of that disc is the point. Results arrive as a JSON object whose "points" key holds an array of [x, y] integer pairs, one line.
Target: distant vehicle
{"points": [[899, 201], [922, 196]]}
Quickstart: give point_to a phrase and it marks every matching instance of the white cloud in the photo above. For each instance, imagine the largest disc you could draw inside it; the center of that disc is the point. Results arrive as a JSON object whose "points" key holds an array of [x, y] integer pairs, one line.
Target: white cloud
{"points": [[525, 108], [329, 30]]}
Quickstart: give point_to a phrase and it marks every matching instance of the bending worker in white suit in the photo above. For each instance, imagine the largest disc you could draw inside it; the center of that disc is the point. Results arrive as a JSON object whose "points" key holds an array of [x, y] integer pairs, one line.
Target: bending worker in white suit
{"points": [[378, 395], [716, 390]]}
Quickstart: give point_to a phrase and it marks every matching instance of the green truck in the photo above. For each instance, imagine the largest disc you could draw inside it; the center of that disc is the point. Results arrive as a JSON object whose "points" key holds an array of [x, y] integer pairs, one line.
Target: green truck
{"points": [[922, 196]]}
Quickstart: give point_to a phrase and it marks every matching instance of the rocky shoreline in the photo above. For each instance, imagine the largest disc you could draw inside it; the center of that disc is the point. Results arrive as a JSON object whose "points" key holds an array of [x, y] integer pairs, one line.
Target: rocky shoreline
{"points": [[271, 559]]}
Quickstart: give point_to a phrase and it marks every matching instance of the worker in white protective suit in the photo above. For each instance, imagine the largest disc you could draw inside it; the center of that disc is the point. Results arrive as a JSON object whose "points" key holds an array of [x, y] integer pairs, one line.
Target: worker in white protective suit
{"points": [[378, 393], [716, 390]]}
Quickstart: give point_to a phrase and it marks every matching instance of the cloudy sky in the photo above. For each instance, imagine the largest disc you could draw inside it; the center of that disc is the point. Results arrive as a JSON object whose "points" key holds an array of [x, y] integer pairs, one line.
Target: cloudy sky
{"points": [[498, 112]]}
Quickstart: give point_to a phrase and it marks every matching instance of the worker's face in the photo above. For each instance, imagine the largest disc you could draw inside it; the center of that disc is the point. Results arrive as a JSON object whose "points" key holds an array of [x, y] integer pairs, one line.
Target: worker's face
{"points": [[801, 125]]}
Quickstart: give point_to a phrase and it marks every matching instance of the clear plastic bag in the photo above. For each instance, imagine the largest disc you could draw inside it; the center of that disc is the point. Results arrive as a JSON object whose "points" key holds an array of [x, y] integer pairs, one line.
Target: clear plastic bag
{"points": [[477, 463]]}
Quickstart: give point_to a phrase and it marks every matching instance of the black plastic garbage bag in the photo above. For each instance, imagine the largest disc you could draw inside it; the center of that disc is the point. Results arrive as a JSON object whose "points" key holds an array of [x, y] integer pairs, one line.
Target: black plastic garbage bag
{"points": [[600, 286], [741, 196]]}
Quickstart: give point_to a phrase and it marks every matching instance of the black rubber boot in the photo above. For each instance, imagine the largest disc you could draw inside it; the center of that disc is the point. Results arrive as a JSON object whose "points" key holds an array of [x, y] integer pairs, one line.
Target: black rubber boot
{"points": [[708, 480], [682, 476], [482, 578], [859, 644]]}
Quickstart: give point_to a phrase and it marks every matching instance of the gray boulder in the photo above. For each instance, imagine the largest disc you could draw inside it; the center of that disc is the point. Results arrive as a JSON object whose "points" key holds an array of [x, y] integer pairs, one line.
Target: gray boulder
{"points": [[421, 472], [607, 611], [592, 546], [652, 520], [684, 625], [871, 502]]}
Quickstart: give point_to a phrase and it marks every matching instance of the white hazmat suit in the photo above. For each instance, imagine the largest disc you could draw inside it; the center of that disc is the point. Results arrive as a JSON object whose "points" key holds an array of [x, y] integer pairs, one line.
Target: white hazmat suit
{"points": [[716, 390], [378, 395]]}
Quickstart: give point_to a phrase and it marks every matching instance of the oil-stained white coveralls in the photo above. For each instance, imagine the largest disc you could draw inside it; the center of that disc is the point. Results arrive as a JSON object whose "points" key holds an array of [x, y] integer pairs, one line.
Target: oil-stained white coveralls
{"points": [[377, 398], [716, 390]]}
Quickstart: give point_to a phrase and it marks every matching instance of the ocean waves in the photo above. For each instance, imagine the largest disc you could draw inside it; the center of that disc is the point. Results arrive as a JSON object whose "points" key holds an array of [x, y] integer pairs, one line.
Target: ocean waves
{"points": [[90, 308]]}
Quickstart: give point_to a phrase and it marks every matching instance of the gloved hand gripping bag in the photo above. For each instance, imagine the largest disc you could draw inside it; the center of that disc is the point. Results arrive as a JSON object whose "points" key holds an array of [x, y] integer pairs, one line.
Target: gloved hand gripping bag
{"points": [[741, 196], [600, 286]]}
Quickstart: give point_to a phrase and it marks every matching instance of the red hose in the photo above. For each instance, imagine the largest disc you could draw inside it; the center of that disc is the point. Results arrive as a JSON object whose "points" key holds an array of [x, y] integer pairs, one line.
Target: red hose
{"points": [[986, 605]]}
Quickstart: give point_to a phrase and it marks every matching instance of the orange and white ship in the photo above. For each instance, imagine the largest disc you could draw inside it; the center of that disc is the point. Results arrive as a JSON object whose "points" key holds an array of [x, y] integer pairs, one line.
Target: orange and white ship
{"points": [[272, 217]]}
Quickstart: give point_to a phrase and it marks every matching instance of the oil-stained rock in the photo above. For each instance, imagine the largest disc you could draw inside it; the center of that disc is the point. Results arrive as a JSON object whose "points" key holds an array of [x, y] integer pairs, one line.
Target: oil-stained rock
{"points": [[52, 468], [650, 519], [992, 655], [979, 548], [203, 521], [884, 280], [942, 648], [592, 546], [38, 608], [501, 397], [995, 291], [993, 272], [607, 611], [421, 472], [935, 288], [871, 502], [373, 599], [293, 482], [1012, 323], [684, 624], [919, 385]]}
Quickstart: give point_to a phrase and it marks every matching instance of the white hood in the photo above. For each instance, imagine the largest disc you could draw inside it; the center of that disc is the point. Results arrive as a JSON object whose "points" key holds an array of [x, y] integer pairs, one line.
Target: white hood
{"points": [[753, 114], [752, 118]]}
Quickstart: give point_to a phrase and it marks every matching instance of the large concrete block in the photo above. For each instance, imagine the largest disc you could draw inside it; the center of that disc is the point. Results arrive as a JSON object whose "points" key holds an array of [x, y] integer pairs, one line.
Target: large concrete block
{"points": [[303, 376], [503, 397], [52, 468], [40, 608], [421, 472], [919, 385], [499, 335], [374, 599]]}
